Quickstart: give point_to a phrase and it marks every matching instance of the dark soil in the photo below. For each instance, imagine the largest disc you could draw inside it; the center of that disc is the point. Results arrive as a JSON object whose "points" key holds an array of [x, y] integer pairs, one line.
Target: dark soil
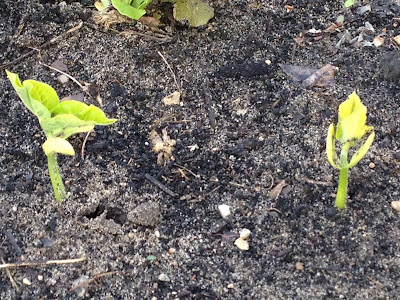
{"points": [[228, 151]]}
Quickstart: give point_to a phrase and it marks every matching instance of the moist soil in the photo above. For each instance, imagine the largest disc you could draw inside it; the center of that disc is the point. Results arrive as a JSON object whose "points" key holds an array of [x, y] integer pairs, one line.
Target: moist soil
{"points": [[246, 134]]}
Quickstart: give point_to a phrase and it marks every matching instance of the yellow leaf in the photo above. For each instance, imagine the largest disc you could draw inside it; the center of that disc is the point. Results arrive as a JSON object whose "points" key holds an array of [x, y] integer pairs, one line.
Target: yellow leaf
{"points": [[58, 145], [330, 147], [352, 118], [361, 151]]}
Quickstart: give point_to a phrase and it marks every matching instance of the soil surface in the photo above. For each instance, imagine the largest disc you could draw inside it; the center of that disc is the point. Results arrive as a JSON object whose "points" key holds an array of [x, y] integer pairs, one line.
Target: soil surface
{"points": [[246, 134]]}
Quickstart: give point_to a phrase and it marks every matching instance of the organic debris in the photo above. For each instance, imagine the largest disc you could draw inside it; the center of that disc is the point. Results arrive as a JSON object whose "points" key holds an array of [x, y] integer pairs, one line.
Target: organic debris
{"points": [[197, 13], [173, 99], [163, 145], [108, 18], [310, 77]]}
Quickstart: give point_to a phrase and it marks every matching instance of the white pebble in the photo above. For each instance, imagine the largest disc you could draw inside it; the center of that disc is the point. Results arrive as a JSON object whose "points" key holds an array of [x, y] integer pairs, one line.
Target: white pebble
{"points": [[26, 281], [40, 277], [163, 277], [245, 233], [242, 244], [396, 205], [224, 210], [63, 79]]}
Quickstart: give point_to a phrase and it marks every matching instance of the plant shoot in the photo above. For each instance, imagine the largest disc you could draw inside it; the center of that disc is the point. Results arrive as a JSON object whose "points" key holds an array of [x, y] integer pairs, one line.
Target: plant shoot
{"points": [[350, 132], [59, 120]]}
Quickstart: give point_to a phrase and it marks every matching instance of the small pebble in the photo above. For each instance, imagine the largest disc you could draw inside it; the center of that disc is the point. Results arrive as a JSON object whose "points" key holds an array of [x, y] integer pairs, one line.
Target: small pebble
{"points": [[224, 210], [63, 79], [157, 233], [163, 277], [371, 165], [299, 266], [171, 250], [242, 244], [26, 281], [40, 277], [245, 233], [396, 205], [230, 286]]}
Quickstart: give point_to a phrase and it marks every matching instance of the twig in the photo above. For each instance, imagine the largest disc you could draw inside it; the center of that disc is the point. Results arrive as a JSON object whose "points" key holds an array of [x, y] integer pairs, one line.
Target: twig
{"points": [[13, 283], [54, 39], [160, 185], [84, 144], [317, 182], [214, 190], [94, 278], [44, 262], [173, 74], [236, 184], [186, 169], [69, 76]]}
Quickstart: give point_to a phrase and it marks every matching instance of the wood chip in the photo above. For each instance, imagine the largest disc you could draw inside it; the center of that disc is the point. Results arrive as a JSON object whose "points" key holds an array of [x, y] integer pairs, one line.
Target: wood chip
{"points": [[173, 99], [276, 191]]}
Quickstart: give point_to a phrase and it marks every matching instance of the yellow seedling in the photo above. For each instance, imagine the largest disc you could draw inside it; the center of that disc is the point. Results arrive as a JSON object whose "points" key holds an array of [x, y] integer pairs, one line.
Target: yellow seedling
{"points": [[350, 131]]}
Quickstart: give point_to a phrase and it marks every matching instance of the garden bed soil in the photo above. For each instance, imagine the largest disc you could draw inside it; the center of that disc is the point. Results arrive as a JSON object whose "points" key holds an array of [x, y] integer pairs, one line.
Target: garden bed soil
{"points": [[149, 231]]}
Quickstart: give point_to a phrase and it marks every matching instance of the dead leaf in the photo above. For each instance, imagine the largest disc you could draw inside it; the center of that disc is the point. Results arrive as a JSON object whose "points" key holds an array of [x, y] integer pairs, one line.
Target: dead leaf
{"points": [[78, 97], [59, 65], [108, 18], [163, 145], [322, 77], [311, 77], [173, 99], [297, 73], [276, 191], [150, 21]]}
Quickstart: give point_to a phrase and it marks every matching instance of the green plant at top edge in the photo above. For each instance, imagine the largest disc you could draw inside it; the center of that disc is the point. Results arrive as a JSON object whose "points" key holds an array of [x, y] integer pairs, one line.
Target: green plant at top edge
{"points": [[59, 120], [350, 131], [133, 9], [349, 3]]}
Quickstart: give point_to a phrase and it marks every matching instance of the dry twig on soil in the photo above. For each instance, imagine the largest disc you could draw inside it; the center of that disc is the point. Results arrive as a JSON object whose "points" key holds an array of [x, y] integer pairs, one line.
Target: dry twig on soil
{"points": [[53, 40], [44, 262]]}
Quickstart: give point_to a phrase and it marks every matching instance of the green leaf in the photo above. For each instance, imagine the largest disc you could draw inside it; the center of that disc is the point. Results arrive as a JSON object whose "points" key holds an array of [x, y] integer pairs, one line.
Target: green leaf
{"points": [[65, 125], [91, 113], [361, 151], [58, 145], [349, 3], [38, 97], [330, 147], [196, 12], [141, 4], [125, 9]]}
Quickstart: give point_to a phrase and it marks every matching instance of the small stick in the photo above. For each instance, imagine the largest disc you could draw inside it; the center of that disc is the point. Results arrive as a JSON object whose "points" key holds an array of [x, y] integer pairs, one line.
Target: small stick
{"points": [[169, 67], [236, 184], [317, 182], [94, 278], [214, 190], [84, 144], [186, 169], [69, 76], [13, 283], [44, 262], [160, 185], [54, 39]]}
